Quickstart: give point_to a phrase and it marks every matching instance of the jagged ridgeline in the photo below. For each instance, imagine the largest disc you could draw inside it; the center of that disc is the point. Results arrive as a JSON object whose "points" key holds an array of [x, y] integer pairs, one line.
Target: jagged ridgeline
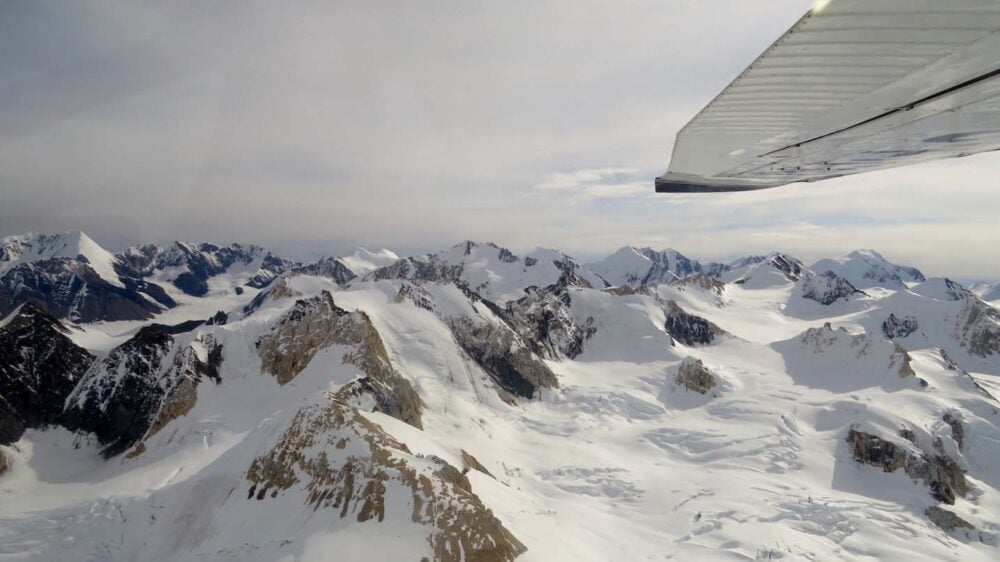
{"points": [[200, 401]]}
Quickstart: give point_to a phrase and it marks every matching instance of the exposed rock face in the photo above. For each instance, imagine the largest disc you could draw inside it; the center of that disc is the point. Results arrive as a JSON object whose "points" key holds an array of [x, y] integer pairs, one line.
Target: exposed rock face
{"points": [[867, 268], [203, 261], [432, 269], [954, 420], [488, 270], [645, 266], [791, 267], [895, 327], [317, 323], [271, 267], [628, 290], [938, 471], [39, 367], [834, 343], [140, 386], [341, 461], [11, 424], [952, 366], [827, 288], [509, 362], [694, 376], [472, 463], [489, 338], [331, 268], [946, 520], [279, 290], [71, 288], [4, 463], [702, 281], [689, 329], [941, 288], [978, 328], [544, 320]]}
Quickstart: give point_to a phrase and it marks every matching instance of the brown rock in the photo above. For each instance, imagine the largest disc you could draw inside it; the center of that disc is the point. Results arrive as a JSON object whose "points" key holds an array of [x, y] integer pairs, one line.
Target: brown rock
{"points": [[693, 375], [473, 463], [342, 461], [317, 323]]}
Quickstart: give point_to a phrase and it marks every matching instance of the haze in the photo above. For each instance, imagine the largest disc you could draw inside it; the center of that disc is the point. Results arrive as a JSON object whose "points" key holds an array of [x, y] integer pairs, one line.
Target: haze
{"points": [[314, 128]]}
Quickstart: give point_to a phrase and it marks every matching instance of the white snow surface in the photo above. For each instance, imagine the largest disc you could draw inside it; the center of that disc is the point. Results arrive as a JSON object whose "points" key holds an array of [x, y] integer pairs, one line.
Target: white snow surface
{"points": [[362, 261], [617, 463], [866, 269], [992, 293], [30, 247]]}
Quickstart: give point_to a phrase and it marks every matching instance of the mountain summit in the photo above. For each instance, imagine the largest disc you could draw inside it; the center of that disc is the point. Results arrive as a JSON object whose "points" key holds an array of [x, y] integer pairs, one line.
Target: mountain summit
{"points": [[476, 404]]}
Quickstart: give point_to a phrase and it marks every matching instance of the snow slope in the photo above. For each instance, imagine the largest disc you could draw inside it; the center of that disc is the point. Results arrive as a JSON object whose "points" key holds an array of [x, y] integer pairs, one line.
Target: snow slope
{"points": [[618, 460], [35, 247], [867, 268], [362, 261]]}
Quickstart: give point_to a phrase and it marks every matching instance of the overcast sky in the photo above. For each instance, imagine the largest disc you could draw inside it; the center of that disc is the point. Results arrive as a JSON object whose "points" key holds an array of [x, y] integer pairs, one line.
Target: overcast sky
{"points": [[414, 125]]}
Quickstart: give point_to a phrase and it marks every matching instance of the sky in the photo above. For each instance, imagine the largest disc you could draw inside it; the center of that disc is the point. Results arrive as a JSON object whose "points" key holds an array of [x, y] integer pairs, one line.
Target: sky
{"points": [[312, 128]]}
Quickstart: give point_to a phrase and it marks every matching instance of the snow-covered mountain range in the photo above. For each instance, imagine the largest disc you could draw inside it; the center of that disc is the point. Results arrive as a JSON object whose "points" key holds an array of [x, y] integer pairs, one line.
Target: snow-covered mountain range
{"points": [[206, 402]]}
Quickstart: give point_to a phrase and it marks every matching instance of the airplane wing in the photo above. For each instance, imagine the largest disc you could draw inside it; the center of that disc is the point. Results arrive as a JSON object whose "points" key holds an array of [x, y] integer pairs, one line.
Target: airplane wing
{"points": [[853, 86]]}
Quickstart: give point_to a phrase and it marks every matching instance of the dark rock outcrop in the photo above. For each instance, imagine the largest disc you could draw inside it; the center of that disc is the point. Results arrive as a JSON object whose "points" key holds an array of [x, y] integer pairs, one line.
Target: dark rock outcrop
{"points": [[954, 421], [331, 268], [11, 423], [506, 359], [203, 261], [689, 329], [896, 327], [941, 473], [826, 288], [946, 520], [139, 387], [789, 266], [545, 322], [432, 268], [39, 367], [70, 288], [277, 291]]}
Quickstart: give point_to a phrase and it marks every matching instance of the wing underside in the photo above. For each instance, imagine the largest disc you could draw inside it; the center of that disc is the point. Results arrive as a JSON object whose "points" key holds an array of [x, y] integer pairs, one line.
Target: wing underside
{"points": [[853, 86]]}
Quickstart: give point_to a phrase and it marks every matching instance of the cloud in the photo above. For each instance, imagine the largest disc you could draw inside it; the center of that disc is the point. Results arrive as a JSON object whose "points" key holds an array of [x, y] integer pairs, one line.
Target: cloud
{"points": [[597, 183], [315, 127]]}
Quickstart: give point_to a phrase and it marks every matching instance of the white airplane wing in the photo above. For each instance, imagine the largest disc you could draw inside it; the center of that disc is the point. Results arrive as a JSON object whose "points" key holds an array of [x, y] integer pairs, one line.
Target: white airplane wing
{"points": [[854, 86]]}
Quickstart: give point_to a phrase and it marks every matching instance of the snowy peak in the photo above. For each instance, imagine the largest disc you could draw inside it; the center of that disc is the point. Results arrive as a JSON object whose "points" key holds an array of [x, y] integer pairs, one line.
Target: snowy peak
{"points": [[362, 261], [867, 268], [74, 245], [189, 266], [643, 266], [838, 361], [942, 289], [626, 266], [634, 266], [492, 271], [761, 272]]}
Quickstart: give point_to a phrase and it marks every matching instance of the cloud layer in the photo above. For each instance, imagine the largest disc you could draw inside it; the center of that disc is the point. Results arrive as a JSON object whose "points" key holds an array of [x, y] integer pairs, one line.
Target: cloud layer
{"points": [[411, 125]]}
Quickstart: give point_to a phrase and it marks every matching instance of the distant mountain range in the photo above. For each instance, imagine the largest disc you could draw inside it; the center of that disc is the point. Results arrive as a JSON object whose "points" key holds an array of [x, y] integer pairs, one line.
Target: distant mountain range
{"points": [[196, 401]]}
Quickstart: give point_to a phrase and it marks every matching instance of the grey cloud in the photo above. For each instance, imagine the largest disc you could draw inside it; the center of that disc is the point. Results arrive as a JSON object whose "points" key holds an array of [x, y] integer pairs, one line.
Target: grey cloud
{"points": [[314, 127]]}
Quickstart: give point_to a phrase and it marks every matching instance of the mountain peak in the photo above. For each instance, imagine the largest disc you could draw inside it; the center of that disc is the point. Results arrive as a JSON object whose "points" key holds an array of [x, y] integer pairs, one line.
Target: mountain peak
{"points": [[71, 244], [867, 268], [362, 261]]}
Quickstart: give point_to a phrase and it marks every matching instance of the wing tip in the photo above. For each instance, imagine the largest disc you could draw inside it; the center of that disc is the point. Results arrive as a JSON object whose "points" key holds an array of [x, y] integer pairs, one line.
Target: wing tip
{"points": [[673, 182]]}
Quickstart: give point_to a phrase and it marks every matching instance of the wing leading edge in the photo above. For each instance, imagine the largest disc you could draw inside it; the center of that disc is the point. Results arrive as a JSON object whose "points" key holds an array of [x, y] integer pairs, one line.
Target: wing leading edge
{"points": [[853, 86]]}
